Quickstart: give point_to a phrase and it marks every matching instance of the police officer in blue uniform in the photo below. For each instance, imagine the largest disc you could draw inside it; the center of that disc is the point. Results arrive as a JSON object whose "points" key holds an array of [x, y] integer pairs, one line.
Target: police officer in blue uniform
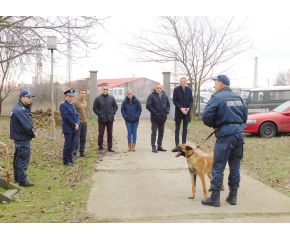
{"points": [[70, 125], [22, 131], [227, 114]]}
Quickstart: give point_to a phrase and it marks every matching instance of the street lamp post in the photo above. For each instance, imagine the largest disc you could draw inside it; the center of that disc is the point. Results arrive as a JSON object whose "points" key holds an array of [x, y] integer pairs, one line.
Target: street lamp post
{"points": [[51, 45]]}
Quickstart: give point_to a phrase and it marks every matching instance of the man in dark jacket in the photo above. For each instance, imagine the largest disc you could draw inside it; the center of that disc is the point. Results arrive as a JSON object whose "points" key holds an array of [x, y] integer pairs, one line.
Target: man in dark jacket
{"points": [[158, 105], [105, 107], [70, 126], [226, 113], [22, 131], [183, 101]]}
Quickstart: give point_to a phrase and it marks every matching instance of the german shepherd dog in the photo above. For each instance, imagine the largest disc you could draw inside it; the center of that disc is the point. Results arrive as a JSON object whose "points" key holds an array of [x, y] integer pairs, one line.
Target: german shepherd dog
{"points": [[197, 165]]}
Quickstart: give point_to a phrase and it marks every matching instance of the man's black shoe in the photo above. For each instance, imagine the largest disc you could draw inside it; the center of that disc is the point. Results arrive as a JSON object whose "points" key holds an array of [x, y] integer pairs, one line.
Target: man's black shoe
{"points": [[83, 155], [161, 149], [100, 151], [26, 184], [74, 156], [154, 150], [68, 164], [174, 150], [111, 150]]}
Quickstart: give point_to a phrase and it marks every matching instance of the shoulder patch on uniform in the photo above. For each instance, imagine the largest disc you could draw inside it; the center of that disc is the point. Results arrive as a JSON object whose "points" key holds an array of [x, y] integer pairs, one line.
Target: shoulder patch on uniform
{"points": [[234, 103]]}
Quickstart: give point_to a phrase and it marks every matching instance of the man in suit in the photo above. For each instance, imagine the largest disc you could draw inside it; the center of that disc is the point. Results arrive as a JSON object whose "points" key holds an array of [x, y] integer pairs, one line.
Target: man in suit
{"points": [[183, 101], [70, 126]]}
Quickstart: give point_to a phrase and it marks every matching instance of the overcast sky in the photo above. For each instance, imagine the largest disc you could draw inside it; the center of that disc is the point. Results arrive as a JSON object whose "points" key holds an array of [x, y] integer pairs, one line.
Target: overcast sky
{"points": [[270, 34]]}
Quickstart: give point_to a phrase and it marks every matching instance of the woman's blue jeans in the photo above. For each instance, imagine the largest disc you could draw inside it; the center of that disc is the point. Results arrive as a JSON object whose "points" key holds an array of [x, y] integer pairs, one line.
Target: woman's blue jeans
{"points": [[132, 131]]}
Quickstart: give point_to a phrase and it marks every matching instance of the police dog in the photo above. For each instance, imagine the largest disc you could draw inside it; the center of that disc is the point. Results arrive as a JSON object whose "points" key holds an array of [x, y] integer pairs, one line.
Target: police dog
{"points": [[197, 165]]}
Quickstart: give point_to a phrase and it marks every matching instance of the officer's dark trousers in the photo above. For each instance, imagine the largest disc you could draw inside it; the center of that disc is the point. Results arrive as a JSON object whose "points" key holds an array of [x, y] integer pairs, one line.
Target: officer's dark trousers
{"points": [[184, 131], [68, 147], [102, 126], [154, 128], [80, 138], [21, 160], [227, 149]]}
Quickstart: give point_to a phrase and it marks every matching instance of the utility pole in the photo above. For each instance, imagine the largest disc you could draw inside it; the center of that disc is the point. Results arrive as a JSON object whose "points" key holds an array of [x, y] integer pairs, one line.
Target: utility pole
{"points": [[255, 84], [69, 55]]}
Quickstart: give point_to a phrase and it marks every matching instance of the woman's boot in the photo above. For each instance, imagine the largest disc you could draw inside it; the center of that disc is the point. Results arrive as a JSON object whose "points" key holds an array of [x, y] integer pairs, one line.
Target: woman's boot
{"points": [[129, 147], [133, 146]]}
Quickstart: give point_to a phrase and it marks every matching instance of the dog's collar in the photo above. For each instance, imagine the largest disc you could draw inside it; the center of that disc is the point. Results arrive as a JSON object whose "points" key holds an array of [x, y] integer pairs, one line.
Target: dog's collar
{"points": [[190, 155]]}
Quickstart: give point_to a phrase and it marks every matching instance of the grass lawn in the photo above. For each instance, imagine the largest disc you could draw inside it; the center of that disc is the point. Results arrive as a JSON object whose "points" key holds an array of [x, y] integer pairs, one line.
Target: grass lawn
{"points": [[60, 192], [266, 160]]}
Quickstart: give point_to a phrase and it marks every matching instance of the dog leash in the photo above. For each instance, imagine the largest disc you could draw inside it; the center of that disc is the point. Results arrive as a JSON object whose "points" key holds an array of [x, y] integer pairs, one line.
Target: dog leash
{"points": [[201, 144], [206, 139]]}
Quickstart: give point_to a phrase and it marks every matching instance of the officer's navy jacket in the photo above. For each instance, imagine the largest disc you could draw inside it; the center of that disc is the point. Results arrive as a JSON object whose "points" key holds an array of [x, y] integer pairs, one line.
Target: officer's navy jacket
{"points": [[69, 117], [225, 111], [21, 125], [131, 110], [158, 107], [182, 99]]}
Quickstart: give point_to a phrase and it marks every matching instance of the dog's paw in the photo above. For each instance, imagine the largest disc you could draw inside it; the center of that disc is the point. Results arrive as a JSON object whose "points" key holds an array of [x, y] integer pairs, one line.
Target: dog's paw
{"points": [[190, 197]]}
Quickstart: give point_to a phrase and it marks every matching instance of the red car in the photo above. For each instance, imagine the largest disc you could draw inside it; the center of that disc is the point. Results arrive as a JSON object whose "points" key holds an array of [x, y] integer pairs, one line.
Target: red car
{"points": [[269, 123]]}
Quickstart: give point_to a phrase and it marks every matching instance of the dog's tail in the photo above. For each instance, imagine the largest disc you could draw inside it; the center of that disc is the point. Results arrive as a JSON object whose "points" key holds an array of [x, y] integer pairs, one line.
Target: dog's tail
{"points": [[204, 149]]}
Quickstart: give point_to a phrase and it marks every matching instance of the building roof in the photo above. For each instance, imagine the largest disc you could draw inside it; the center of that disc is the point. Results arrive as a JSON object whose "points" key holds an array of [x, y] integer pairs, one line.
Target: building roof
{"points": [[110, 82], [115, 82]]}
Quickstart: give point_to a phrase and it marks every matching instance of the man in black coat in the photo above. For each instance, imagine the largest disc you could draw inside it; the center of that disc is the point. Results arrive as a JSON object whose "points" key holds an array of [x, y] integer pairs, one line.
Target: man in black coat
{"points": [[158, 105], [105, 107], [183, 101]]}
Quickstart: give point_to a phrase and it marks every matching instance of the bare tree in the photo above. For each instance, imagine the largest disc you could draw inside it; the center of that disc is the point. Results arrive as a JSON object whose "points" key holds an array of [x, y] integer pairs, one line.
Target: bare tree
{"points": [[30, 33], [283, 79], [22, 37], [9, 74], [198, 44]]}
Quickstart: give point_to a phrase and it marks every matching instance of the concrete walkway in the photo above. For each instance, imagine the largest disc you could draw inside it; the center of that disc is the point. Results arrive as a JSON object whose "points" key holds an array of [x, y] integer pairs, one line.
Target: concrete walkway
{"points": [[143, 186]]}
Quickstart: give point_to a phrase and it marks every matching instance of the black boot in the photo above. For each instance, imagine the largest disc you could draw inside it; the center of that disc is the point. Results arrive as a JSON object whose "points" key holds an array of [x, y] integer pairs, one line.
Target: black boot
{"points": [[26, 184], [213, 200], [232, 198]]}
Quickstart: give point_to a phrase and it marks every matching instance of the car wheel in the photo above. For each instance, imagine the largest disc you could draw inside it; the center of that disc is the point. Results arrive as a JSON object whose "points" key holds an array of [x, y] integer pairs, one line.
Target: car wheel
{"points": [[267, 130]]}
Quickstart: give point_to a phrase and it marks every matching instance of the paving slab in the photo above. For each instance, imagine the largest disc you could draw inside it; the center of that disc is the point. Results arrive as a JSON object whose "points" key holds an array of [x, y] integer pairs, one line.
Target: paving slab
{"points": [[143, 186]]}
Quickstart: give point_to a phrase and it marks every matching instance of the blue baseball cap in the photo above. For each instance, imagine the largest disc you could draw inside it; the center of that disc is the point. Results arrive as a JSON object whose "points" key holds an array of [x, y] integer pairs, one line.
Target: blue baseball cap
{"points": [[222, 78], [25, 93]]}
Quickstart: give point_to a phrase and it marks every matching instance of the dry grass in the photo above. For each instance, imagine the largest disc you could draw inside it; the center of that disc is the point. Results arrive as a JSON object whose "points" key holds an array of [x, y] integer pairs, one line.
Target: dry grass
{"points": [[61, 192]]}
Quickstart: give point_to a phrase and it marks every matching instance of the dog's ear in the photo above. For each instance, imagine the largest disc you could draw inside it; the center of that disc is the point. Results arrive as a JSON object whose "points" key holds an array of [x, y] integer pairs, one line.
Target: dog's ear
{"points": [[188, 148]]}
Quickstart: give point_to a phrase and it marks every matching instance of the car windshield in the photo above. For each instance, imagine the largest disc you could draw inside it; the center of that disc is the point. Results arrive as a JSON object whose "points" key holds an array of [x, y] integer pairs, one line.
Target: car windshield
{"points": [[282, 107]]}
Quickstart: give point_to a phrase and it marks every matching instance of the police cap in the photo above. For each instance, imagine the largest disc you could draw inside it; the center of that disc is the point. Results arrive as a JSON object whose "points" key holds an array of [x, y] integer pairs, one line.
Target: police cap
{"points": [[222, 78], [69, 92]]}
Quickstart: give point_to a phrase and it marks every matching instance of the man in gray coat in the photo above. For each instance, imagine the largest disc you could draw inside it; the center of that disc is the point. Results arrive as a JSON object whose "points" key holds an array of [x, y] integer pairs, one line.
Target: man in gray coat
{"points": [[158, 105], [105, 107]]}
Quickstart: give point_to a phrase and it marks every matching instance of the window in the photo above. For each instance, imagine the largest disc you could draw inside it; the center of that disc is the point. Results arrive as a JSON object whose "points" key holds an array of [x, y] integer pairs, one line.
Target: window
{"points": [[257, 96], [280, 95]]}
